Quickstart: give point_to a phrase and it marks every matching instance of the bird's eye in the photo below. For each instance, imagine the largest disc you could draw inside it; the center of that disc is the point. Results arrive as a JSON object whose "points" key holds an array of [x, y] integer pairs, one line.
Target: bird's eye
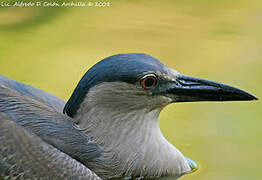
{"points": [[148, 81]]}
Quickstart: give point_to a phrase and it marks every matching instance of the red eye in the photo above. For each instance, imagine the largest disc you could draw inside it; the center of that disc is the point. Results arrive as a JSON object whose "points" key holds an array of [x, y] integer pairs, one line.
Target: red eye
{"points": [[148, 82]]}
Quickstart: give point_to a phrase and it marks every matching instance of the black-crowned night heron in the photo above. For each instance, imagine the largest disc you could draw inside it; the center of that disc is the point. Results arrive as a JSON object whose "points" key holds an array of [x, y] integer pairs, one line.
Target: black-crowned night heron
{"points": [[108, 128]]}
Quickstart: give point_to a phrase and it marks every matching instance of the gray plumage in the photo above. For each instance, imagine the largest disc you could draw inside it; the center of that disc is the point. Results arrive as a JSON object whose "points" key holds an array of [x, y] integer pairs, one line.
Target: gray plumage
{"points": [[25, 156], [110, 126], [31, 92]]}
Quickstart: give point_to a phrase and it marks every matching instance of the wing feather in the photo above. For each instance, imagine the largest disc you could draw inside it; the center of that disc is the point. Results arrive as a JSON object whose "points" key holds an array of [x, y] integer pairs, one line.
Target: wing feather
{"points": [[34, 93], [23, 155], [52, 127]]}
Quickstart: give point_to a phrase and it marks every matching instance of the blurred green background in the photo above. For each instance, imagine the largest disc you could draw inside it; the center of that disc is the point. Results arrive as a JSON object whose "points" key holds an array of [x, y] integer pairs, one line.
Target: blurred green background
{"points": [[221, 40]]}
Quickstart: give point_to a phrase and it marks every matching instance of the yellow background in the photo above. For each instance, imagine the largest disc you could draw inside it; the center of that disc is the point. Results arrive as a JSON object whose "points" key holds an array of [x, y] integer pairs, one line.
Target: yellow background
{"points": [[221, 40]]}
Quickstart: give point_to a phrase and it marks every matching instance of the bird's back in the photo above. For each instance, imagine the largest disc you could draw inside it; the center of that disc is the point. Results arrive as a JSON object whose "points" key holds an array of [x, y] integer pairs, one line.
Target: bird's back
{"points": [[23, 155], [25, 120], [34, 93]]}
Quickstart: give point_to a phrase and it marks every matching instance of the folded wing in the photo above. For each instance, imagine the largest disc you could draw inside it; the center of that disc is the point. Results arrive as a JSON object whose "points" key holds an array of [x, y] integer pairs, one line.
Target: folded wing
{"points": [[34, 93], [23, 155], [38, 141]]}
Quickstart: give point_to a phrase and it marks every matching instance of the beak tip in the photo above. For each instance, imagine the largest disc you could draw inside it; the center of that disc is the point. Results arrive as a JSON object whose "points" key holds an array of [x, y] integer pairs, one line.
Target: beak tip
{"points": [[254, 98], [248, 97]]}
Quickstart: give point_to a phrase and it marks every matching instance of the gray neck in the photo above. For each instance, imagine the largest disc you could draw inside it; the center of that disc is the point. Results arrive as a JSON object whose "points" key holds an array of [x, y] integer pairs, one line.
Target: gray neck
{"points": [[136, 147], [131, 141]]}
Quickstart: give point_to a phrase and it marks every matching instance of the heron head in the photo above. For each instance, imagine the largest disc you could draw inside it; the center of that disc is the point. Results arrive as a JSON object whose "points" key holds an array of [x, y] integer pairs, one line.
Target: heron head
{"points": [[139, 81], [117, 102]]}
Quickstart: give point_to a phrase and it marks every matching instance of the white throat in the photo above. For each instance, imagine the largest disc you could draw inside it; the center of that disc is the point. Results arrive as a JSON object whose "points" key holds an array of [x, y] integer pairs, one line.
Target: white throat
{"points": [[131, 141]]}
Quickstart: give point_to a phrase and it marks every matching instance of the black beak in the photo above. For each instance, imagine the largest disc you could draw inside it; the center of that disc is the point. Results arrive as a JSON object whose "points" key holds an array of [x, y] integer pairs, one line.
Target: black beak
{"points": [[189, 89]]}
